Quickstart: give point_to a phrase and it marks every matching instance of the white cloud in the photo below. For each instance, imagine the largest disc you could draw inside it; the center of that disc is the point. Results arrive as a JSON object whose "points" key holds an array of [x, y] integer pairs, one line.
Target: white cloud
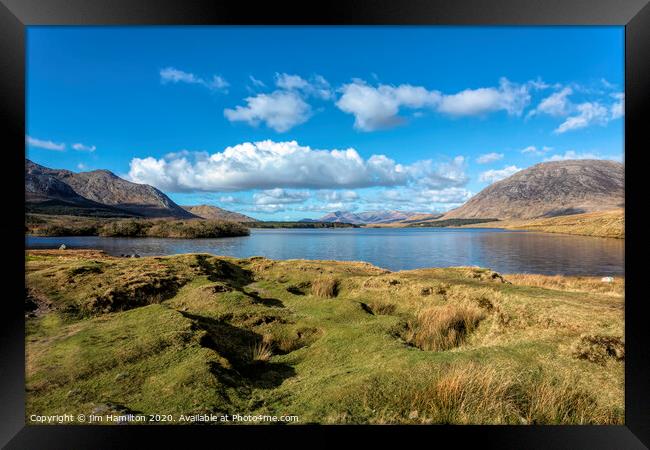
{"points": [[290, 82], [509, 97], [583, 114], [318, 86], [280, 110], [489, 157], [440, 175], [531, 149], [338, 196], [497, 175], [279, 196], [618, 108], [269, 165], [572, 154], [556, 104], [607, 84], [172, 75], [228, 199], [426, 196], [47, 145], [588, 113], [378, 107], [218, 83], [81, 166], [83, 148], [256, 82]]}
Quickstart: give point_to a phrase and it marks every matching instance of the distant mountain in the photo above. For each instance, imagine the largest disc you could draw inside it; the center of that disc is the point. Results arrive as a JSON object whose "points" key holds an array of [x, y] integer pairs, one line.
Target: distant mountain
{"points": [[368, 217], [214, 212], [99, 192], [549, 189]]}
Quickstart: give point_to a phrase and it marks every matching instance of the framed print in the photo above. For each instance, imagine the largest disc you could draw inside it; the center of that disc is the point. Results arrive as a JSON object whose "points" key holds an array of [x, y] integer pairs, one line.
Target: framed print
{"points": [[379, 218]]}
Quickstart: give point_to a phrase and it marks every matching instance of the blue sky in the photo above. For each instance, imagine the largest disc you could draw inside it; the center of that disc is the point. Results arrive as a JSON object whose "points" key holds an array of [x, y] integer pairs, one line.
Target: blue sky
{"points": [[289, 122]]}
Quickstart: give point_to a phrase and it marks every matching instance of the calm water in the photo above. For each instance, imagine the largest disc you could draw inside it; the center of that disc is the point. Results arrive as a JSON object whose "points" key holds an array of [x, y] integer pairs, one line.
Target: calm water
{"points": [[394, 249]]}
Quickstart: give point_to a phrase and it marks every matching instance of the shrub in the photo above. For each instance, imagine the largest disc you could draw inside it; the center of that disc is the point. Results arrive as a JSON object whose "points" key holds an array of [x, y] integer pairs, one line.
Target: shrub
{"points": [[196, 229], [599, 349], [441, 328], [67, 230], [124, 228]]}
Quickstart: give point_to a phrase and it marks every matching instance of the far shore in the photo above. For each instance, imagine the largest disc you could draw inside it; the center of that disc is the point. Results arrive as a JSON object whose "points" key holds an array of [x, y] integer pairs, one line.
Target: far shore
{"points": [[606, 224]]}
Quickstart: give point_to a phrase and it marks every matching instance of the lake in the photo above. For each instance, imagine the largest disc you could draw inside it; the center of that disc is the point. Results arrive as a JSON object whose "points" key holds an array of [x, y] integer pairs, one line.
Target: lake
{"points": [[391, 248]]}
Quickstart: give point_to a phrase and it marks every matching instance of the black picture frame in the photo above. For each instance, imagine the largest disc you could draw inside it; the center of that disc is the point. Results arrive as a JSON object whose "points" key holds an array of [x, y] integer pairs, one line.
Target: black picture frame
{"points": [[15, 15]]}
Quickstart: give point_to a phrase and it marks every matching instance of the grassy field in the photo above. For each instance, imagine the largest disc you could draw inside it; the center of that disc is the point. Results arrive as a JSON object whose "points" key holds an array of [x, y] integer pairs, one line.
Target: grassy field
{"points": [[42, 225], [609, 224], [326, 341]]}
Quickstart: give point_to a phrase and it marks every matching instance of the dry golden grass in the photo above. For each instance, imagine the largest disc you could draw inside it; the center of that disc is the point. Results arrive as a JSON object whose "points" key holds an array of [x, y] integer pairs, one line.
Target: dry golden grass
{"points": [[262, 350], [325, 286], [603, 223], [464, 392], [568, 283], [609, 224], [442, 328]]}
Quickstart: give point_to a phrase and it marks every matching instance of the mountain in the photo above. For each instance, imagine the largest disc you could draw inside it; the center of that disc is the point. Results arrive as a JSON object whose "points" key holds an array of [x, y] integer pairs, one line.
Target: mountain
{"points": [[549, 189], [214, 212], [98, 192], [368, 217]]}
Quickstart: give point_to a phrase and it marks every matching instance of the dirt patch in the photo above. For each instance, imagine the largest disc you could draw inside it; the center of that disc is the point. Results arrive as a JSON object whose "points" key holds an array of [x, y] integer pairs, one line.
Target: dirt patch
{"points": [[135, 293], [36, 303], [216, 288], [377, 308], [299, 288]]}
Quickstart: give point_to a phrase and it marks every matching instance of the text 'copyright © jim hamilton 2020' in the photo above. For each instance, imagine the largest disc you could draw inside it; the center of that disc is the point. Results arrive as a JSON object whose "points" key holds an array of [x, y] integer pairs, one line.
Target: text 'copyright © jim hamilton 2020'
{"points": [[157, 418]]}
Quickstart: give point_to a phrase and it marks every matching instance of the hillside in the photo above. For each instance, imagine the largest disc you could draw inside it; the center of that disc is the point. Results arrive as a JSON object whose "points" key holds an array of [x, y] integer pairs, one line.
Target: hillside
{"points": [[216, 213], [609, 224], [99, 192], [549, 189], [372, 217], [324, 341]]}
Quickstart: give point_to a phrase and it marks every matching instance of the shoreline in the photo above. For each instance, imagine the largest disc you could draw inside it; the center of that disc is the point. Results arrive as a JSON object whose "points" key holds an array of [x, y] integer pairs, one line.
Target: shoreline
{"points": [[54, 251]]}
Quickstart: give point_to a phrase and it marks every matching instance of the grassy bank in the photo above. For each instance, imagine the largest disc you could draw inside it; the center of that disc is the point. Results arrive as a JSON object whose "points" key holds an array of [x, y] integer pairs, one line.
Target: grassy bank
{"points": [[610, 224], [77, 226], [327, 341]]}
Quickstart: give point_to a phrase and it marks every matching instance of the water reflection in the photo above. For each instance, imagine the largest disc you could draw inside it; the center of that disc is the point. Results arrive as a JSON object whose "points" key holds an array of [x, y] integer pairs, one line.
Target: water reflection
{"points": [[391, 248]]}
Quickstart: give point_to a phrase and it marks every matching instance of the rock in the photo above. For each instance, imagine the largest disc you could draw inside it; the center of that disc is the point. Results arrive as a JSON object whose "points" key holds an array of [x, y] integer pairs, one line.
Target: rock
{"points": [[62, 247], [607, 279], [100, 409], [74, 392]]}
